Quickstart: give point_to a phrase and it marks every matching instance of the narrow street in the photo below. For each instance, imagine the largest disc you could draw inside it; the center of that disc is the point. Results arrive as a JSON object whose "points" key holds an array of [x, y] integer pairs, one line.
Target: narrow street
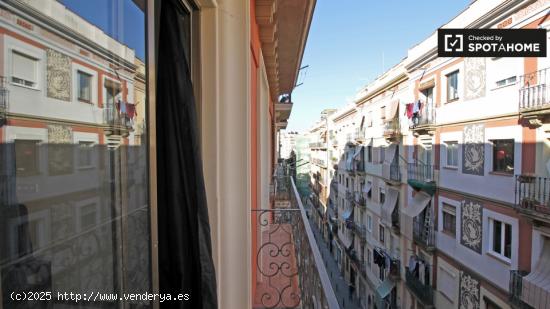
{"points": [[338, 282]]}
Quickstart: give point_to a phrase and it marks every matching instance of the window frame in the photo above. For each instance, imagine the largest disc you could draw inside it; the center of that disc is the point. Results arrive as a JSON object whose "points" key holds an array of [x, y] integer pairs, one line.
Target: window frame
{"points": [[501, 255], [455, 155], [36, 61], [456, 95], [36, 167], [78, 86], [494, 154], [444, 211]]}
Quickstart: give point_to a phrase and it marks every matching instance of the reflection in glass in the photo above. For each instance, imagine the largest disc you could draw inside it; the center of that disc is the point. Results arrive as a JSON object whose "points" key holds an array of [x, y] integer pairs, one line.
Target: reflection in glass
{"points": [[74, 212]]}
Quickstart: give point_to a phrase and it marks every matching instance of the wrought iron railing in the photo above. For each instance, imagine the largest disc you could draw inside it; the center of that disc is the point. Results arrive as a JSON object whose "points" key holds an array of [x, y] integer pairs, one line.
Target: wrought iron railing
{"points": [[395, 172], [290, 269], [359, 134], [349, 195], [423, 233], [360, 200], [516, 289], [112, 117], [422, 291], [392, 128], [533, 93], [420, 172], [425, 117], [533, 193]]}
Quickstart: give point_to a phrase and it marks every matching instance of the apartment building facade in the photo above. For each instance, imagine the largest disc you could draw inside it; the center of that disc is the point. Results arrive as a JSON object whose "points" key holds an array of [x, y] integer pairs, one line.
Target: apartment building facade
{"points": [[453, 181]]}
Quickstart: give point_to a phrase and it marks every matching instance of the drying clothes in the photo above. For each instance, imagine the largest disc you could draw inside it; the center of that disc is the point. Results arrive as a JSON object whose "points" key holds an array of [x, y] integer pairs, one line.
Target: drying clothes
{"points": [[117, 106], [416, 107], [123, 107], [387, 261], [378, 258], [409, 110], [131, 110]]}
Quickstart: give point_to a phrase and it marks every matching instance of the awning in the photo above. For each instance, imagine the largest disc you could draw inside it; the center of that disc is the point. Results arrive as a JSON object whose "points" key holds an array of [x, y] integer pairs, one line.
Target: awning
{"points": [[392, 110], [357, 154], [427, 84], [419, 202], [367, 187], [536, 285], [385, 288], [388, 160], [389, 205], [346, 214]]}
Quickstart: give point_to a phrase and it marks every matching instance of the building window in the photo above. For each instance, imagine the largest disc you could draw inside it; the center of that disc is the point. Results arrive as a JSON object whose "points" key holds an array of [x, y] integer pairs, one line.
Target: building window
{"points": [[501, 238], [382, 196], [449, 220], [85, 150], [26, 152], [506, 82], [368, 258], [24, 70], [489, 304], [452, 86], [112, 90], [369, 193], [381, 273], [369, 119], [381, 233], [369, 223], [84, 87], [452, 153], [88, 216], [383, 112], [503, 156]]}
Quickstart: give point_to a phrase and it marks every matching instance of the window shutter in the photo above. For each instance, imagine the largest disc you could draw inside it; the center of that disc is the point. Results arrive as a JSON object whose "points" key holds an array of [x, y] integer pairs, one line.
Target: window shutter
{"points": [[24, 67]]}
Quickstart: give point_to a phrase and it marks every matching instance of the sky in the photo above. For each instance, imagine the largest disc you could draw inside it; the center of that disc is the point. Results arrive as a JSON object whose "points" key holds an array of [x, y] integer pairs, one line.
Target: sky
{"points": [[120, 19], [351, 42]]}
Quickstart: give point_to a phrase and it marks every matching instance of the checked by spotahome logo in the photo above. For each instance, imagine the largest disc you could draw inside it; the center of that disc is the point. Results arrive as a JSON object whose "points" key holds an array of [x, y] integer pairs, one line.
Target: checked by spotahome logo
{"points": [[491, 42]]}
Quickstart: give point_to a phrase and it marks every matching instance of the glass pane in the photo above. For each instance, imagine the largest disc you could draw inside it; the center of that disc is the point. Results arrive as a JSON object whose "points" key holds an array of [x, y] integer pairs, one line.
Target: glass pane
{"points": [[508, 240], [497, 236], [74, 210]]}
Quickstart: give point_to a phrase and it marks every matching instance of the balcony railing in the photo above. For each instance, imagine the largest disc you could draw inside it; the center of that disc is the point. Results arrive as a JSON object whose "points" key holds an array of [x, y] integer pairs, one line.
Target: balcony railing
{"points": [[533, 194], [392, 128], [420, 172], [533, 93], [349, 195], [360, 230], [360, 200], [395, 172], [423, 234], [290, 272], [516, 289], [359, 135], [317, 145], [424, 292], [425, 118], [115, 120]]}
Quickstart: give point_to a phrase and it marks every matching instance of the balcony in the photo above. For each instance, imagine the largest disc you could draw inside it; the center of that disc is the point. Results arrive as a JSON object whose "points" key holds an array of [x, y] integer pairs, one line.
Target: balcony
{"points": [[424, 233], [423, 292], [318, 145], [516, 289], [392, 172], [422, 177], [360, 230], [4, 97], [533, 96], [392, 129], [290, 272], [349, 195], [283, 110], [359, 135], [360, 200], [424, 122], [334, 187], [319, 162], [532, 196], [116, 123]]}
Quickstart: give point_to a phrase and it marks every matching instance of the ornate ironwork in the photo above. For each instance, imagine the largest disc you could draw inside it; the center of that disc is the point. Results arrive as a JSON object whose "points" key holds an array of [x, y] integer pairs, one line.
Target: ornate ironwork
{"points": [[289, 272]]}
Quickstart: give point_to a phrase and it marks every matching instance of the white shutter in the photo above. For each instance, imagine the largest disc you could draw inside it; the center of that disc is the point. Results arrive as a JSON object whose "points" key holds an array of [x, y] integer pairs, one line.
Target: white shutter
{"points": [[24, 67], [447, 283]]}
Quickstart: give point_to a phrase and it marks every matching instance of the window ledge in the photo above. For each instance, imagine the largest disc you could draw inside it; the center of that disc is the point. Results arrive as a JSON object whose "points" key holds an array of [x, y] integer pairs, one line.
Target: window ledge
{"points": [[452, 168], [499, 258], [449, 234], [501, 174], [452, 101], [505, 86]]}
